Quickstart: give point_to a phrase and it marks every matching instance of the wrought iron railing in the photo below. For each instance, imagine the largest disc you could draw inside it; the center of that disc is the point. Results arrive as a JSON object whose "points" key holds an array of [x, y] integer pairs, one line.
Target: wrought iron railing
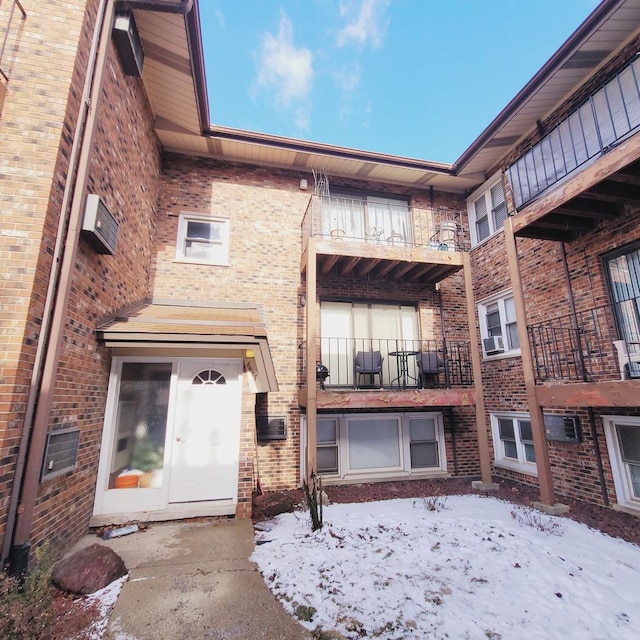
{"points": [[7, 18], [603, 120], [366, 363], [357, 220], [582, 348]]}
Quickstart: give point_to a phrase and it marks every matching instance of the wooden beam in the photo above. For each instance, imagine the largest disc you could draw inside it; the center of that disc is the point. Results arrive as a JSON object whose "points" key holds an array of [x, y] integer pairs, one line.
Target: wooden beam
{"points": [[611, 192], [585, 208], [419, 272], [386, 267], [612, 393], [481, 424], [328, 262], [349, 266], [364, 399], [366, 266], [311, 342], [401, 270], [545, 477]]}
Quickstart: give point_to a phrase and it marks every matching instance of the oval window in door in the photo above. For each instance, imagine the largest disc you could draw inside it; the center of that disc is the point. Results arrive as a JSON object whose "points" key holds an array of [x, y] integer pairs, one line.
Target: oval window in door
{"points": [[209, 376]]}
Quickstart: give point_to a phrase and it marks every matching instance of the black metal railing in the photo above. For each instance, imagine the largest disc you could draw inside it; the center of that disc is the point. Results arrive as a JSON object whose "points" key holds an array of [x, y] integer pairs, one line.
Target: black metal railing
{"points": [[366, 363], [604, 119], [582, 348], [357, 220]]}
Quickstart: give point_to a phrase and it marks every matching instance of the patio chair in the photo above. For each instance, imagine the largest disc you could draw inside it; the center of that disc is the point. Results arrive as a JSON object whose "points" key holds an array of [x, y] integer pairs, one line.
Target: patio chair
{"points": [[368, 363], [430, 366], [627, 357]]}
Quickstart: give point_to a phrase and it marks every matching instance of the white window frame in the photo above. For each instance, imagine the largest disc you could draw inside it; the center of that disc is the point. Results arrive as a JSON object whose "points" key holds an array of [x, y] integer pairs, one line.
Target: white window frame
{"points": [[521, 465], [499, 300], [626, 501], [484, 192], [404, 469], [220, 247]]}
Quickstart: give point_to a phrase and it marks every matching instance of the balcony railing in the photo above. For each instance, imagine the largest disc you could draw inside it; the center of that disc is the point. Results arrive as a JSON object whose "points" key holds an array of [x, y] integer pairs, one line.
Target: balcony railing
{"points": [[6, 18], [582, 348], [403, 364], [603, 120], [357, 220]]}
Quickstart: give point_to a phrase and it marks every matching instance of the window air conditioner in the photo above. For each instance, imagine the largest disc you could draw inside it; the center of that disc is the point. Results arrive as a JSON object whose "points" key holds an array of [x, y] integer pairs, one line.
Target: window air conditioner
{"points": [[99, 227], [494, 344]]}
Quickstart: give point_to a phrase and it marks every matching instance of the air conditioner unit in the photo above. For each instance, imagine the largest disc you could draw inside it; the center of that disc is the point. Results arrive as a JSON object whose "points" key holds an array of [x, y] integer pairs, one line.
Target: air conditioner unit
{"points": [[127, 41], [494, 344], [99, 227], [271, 428]]}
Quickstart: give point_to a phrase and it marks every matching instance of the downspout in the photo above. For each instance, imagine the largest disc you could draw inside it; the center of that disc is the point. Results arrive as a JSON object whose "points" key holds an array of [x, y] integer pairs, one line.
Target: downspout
{"points": [[592, 419], [54, 280]]}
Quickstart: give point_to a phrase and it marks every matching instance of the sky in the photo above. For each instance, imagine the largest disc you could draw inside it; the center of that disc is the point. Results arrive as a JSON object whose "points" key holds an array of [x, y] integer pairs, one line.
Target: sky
{"points": [[416, 78], [474, 567]]}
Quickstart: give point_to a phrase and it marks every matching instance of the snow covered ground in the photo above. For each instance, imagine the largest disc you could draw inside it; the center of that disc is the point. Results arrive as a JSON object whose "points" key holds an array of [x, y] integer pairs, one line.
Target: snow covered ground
{"points": [[477, 568]]}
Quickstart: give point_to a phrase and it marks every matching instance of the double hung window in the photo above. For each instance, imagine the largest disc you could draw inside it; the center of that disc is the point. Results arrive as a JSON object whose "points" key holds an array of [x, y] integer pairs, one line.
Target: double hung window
{"points": [[513, 442], [498, 321], [487, 211], [203, 239], [623, 444]]}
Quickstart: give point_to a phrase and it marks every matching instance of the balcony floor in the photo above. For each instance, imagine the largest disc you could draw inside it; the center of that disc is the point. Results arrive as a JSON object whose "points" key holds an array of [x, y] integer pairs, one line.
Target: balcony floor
{"points": [[341, 399], [610, 393]]}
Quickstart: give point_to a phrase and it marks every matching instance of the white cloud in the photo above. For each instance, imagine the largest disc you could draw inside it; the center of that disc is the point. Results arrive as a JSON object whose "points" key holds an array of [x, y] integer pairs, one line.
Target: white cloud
{"points": [[285, 69], [365, 23], [220, 18], [348, 81]]}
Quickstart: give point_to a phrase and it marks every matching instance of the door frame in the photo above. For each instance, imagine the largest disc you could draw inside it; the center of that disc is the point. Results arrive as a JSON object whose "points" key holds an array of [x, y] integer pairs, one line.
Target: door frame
{"points": [[113, 505]]}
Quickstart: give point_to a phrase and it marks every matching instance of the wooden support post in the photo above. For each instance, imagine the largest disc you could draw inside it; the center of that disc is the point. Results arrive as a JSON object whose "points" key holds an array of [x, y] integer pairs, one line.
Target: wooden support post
{"points": [[311, 344], [481, 425], [545, 479]]}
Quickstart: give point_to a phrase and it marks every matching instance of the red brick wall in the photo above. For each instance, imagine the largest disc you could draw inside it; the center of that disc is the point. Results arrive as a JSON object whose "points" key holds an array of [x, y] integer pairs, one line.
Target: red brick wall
{"points": [[124, 170]]}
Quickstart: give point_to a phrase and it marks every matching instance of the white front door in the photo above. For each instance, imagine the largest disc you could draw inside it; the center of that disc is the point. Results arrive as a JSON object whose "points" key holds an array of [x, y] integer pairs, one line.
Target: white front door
{"points": [[206, 435]]}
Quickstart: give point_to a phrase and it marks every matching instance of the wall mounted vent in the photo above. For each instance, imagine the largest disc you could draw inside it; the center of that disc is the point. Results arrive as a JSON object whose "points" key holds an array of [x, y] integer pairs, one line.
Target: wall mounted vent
{"points": [[562, 428], [127, 41], [494, 344], [99, 226], [61, 452], [271, 428]]}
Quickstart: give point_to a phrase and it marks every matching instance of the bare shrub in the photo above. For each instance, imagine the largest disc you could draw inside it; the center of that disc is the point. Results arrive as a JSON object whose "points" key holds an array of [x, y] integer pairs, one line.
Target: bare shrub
{"points": [[435, 503], [531, 518]]}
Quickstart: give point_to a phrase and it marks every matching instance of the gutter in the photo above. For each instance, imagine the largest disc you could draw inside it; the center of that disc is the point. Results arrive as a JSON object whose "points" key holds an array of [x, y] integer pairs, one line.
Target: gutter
{"points": [[598, 16]]}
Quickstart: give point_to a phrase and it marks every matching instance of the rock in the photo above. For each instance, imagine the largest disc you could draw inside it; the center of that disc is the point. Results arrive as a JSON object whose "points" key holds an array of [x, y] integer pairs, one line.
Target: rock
{"points": [[88, 570], [272, 504]]}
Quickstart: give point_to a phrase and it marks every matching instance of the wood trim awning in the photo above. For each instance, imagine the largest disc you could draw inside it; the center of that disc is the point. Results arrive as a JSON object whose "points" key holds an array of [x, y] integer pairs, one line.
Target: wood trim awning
{"points": [[187, 323], [595, 193]]}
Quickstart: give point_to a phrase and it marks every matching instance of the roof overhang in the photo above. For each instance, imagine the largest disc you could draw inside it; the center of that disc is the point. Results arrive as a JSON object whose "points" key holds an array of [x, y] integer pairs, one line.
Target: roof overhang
{"points": [[174, 79], [185, 325], [605, 31]]}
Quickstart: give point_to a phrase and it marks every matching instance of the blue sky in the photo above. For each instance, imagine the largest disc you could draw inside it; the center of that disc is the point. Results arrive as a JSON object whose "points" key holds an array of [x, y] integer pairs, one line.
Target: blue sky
{"points": [[417, 78]]}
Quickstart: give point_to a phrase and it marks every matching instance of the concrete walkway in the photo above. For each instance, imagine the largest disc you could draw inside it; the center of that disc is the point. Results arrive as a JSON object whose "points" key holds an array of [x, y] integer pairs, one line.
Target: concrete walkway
{"points": [[195, 581]]}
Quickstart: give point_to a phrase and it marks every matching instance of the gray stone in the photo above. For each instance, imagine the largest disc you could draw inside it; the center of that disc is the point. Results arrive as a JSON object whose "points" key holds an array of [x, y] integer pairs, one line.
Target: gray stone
{"points": [[88, 570]]}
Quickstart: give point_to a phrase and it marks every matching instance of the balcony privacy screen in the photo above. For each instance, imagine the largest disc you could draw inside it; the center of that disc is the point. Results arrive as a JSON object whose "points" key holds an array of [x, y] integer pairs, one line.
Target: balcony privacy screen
{"points": [[608, 116]]}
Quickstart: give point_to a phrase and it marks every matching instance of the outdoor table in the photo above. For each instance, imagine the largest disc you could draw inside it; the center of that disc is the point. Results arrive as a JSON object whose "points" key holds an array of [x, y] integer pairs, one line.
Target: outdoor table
{"points": [[402, 358]]}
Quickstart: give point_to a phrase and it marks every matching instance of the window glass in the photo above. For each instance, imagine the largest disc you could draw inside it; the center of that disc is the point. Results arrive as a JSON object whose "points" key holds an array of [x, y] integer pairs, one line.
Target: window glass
{"points": [[203, 240], [424, 454], [373, 444], [423, 429], [498, 206], [326, 431], [327, 459], [506, 428]]}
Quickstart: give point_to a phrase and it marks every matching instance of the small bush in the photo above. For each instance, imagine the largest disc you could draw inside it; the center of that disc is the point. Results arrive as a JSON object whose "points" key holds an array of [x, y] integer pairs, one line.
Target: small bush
{"points": [[531, 518], [435, 503]]}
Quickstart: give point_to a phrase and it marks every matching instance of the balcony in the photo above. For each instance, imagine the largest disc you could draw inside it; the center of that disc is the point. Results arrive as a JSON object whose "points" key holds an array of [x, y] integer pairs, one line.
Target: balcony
{"points": [[373, 372], [605, 119], [584, 349], [382, 240]]}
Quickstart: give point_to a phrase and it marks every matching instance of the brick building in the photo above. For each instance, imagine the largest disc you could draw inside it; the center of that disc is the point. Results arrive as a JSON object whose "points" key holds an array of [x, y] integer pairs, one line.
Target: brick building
{"points": [[174, 292]]}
